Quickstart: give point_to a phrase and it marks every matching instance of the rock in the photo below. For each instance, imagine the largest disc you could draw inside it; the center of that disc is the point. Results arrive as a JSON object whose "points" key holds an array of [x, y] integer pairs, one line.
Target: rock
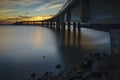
{"points": [[109, 63], [114, 75], [58, 66], [33, 75]]}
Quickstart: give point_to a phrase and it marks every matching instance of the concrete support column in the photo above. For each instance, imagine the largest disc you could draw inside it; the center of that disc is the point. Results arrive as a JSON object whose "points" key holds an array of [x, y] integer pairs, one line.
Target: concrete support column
{"points": [[69, 24], [63, 26], [53, 24], [42, 23], [78, 26], [79, 35], [58, 23], [74, 26], [115, 41], [50, 24], [33, 22], [27, 22], [62, 21], [47, 23]]}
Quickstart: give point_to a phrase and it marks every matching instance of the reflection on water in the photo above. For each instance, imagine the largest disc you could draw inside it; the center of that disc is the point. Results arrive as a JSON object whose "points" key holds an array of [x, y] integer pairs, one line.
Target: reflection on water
{"points": [[22, 50], [27, 49], [76, 45], [95, 40]]}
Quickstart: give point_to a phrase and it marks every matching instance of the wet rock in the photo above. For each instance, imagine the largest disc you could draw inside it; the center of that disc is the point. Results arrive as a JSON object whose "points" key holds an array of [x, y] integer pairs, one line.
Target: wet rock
{"points": [[109, 63], [108, 68], [87, 75], [114, 75], [33, 75], [38, 79], [25, 79], [58, 66]]}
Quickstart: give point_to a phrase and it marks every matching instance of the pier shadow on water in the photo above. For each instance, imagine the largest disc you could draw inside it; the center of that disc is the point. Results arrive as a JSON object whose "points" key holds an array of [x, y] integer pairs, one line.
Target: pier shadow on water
{"points": [[75, 46]]}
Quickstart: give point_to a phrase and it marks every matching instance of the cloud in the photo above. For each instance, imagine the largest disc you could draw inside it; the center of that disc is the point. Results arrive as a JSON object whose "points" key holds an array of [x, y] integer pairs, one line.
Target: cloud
{"points": [[14, 19], [5, 11], [18, 6], [11, 10], [50, 5], [24, 17], [9, 20], [55, 6], [26, 13], [13, 4], [1, 21]]}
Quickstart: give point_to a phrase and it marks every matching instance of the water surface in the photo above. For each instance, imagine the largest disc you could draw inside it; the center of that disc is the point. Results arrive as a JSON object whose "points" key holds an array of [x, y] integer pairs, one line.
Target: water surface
{"points": [[28, 49]]}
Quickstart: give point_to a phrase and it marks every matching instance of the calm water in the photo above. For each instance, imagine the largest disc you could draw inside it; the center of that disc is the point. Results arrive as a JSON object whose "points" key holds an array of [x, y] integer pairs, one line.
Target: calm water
{"points": [[27, 49]]}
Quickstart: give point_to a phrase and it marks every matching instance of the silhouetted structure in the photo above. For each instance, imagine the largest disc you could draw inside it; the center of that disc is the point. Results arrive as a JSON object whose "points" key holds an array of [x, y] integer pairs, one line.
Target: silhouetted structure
{"points": [[95, 14]]}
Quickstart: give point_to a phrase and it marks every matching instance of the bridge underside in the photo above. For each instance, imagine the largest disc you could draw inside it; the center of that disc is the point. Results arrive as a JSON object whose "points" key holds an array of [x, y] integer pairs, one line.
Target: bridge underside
{"points": [[101, 15], [96, 11], [104, 11]]}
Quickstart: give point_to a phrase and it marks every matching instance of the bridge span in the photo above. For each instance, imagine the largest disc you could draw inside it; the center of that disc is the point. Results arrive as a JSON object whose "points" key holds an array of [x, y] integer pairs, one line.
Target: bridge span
{"points": [[94, 14]]}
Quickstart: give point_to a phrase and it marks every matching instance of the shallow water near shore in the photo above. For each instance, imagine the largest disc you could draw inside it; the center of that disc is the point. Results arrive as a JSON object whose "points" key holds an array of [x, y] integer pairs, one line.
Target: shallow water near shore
{"points": [[28, 49]]}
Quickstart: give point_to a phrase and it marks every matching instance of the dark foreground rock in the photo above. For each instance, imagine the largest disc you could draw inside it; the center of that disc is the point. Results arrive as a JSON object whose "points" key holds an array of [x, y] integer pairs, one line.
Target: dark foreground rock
{"points": [[107, 67]]}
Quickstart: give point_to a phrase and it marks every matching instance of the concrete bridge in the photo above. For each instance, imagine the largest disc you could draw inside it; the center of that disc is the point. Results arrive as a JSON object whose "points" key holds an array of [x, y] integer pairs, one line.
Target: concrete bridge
{"points": [[94, 14]]}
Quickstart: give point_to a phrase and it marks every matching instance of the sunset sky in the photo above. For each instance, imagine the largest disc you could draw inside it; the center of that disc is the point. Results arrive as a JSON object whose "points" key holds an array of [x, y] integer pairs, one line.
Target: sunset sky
{"points": [[12, 10]]}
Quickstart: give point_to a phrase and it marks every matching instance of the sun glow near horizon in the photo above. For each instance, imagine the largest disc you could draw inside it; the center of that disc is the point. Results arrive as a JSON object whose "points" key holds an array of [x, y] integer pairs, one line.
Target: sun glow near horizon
{"points": [[11, 19], [24, 10], [40, 18]]}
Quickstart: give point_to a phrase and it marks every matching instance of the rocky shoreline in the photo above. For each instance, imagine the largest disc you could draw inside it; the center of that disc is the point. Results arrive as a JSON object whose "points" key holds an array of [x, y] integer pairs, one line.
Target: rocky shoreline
{"points": [[94, 67]]}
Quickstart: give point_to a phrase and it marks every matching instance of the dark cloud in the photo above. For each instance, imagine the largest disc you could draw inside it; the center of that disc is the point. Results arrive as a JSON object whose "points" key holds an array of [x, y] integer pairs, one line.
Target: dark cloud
{"points": [[9, 19], [26, 13], [24, 8], [20, 16], [13, 19], [1, 21]]}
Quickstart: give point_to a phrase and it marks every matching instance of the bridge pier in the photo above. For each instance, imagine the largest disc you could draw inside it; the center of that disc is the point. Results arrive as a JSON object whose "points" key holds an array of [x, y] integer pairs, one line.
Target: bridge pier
{"points": [[115, 41], [68, 25], [58, 23], [47, 23], [42, 23], [79, 35], [63, 26], [74, 26], [79, 27], [51, 24], [26, 22], [58, 26]]}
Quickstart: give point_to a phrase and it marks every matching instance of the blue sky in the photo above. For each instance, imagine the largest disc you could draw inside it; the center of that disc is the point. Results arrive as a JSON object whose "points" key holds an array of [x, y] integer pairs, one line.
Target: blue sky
{"points": [[13, 9]]}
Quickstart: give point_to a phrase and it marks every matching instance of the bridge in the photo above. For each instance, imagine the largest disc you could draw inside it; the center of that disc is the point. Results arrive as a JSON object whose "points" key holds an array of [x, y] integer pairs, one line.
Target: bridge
{"points": [[101, 15]]}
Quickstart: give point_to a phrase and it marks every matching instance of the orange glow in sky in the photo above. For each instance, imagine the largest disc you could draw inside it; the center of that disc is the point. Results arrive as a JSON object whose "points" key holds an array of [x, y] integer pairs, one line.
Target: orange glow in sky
{"points": [[21, 10], [39, 18]]}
